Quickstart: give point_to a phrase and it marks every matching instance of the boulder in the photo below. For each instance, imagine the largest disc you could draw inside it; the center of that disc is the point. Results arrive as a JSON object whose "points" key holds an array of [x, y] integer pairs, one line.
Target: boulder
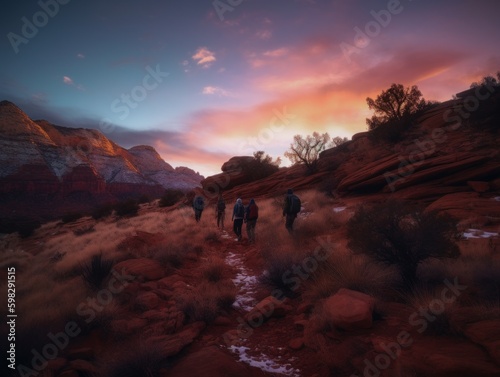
{"points": [[268, 308], [350, 310], [172, 344], [147, 301], [479, 186], [128, 326], [487, 334]]}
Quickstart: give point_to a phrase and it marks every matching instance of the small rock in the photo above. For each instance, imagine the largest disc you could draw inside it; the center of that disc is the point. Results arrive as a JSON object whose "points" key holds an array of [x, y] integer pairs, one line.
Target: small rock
{"points": [[305, 307], [296, 344], [350, 310], [85, 353], [83, 365], [147, 300], [222, 321]]}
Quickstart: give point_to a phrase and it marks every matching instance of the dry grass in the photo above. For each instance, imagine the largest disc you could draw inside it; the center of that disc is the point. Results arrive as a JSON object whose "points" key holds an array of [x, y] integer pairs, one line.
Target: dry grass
{"points": [[207, 301], [214, 270], [355, 272]]}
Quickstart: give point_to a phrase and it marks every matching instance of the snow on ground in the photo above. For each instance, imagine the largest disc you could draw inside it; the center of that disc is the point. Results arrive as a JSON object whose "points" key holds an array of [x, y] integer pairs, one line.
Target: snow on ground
{"points": [[264, 362], [339, 209], [245, 282], [477, 233], [497, 198]]}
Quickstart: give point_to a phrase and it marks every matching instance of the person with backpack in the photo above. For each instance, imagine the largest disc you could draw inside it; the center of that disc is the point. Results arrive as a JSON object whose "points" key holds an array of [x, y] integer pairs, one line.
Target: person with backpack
{"points": [[220, 211], [251, 216], [198, 206], [291, 207], [238, 216]]}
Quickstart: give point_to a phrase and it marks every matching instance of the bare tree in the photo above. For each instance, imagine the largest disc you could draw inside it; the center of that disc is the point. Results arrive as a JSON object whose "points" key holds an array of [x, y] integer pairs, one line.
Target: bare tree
{"points": [[394, 104], [336, 141], [306, 150]]}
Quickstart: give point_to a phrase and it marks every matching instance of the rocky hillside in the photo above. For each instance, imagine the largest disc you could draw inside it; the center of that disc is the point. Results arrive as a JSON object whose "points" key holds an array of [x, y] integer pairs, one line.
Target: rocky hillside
{"points": [[449, 159], [57, 164]]}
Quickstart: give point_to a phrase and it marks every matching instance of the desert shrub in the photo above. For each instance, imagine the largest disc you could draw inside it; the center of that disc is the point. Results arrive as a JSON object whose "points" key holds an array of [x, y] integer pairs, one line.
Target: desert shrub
{"points": [[102, 211], [84, 230], [393, 130], [214, 270], [207, 301], [281, 261], [434, 315], [127, 208], [95, 272], [143, 199], [397, 233], [212, 236], [355, 272], [70, 217], [487, 115], [171, 197], [24, 226]]}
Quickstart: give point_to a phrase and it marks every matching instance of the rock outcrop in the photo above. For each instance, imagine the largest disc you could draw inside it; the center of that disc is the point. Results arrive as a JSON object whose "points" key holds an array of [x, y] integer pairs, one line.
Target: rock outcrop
{"points": [[59, 164]]}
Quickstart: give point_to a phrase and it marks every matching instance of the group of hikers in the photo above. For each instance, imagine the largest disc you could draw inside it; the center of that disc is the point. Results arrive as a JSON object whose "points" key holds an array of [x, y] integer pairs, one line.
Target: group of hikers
{"points": [[248, 214]]}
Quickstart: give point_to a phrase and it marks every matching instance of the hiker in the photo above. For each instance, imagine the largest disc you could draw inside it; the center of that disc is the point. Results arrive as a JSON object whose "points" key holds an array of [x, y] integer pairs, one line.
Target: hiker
{"points": [[251, 216], [220, 211], [198, 206], [291, 207], [238, 215]]}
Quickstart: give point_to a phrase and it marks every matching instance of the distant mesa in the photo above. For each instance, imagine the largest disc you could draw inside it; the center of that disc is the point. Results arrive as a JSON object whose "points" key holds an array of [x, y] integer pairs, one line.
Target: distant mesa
{"points": [[76, 167]]}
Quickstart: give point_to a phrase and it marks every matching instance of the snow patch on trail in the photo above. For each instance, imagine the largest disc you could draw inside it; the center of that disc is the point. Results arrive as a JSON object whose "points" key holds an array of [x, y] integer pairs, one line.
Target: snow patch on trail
{"points": [[477, 233], [339, 209], [264, 362], [245, 282]]}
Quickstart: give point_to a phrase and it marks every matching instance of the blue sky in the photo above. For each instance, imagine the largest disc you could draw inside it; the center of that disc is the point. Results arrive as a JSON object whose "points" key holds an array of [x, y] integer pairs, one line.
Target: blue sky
{"points": [[221, 78]]}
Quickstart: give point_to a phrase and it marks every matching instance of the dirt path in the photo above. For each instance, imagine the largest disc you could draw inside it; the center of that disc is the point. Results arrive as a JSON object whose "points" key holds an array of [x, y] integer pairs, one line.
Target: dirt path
{"points": [[263, 347]]}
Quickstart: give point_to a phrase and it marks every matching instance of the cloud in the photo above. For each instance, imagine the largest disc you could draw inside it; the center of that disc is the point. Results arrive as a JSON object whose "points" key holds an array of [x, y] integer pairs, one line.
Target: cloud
{"points": [[215, 90], [277, 53], [264, 34], [68, 81], [204, 57], [80, 56]]}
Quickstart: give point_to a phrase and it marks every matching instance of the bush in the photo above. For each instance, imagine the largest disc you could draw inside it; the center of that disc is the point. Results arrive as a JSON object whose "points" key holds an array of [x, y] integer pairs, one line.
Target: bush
{"points": [[127, 208], [70, 217], [102, 211], [206, 301], [95, 272], [137, 360], [214, 270], [24, 226], [171, 197], [397, 233]]}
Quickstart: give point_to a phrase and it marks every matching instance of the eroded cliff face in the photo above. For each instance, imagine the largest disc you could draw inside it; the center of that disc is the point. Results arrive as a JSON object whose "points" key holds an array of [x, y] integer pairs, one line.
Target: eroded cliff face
{"points": [[52, 162]]}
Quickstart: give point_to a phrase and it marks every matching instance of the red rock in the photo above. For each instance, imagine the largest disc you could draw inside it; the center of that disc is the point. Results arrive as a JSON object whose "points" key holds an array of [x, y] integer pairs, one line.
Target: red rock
{"points": [[479, 186], [209, 361], [350, 310], [148, 269], [128, 326], [147, 301], [296, 344], [85, 353], [56, 364], [268, 308], [172, 344], [83, 366]]}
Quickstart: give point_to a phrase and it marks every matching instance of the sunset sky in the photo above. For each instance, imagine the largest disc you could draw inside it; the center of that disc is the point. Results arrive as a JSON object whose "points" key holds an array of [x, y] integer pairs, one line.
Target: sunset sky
{"points": [[202, 81]]}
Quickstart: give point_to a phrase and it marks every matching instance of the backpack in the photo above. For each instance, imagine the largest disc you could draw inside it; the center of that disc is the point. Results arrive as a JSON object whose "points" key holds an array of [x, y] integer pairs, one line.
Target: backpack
{"points": [[221, 205], [199, 203], [294, 205], [239, 211], [253, 212]]}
